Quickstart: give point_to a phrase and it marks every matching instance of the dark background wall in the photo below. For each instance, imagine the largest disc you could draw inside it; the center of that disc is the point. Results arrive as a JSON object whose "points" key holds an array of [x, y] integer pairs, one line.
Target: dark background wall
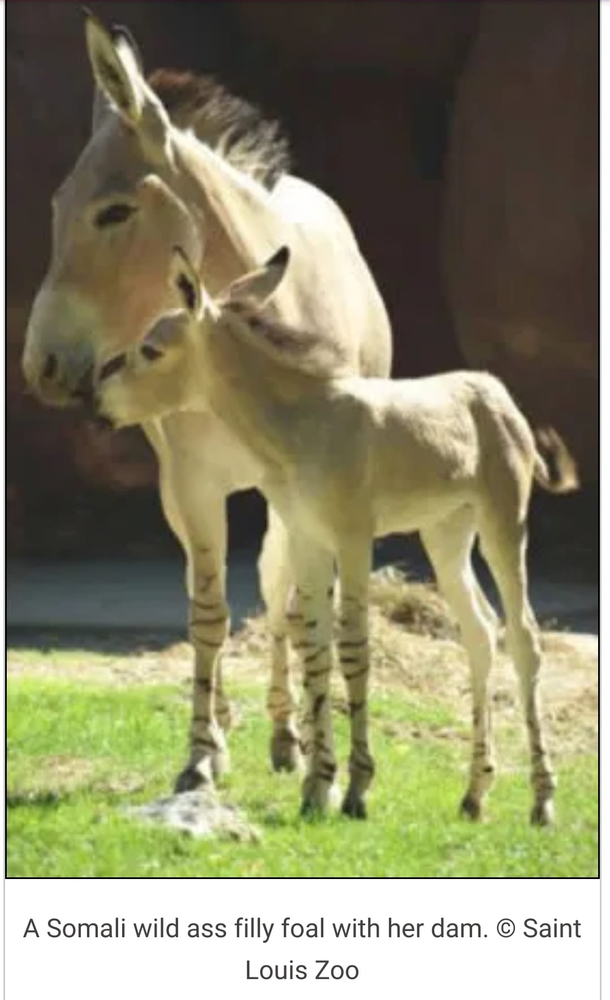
{"points": [[461, 139]]}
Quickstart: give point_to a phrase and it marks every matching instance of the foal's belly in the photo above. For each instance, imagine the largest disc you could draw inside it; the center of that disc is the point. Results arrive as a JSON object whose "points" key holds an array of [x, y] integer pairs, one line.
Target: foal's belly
{"points": [[417, 510], [328, 517]]}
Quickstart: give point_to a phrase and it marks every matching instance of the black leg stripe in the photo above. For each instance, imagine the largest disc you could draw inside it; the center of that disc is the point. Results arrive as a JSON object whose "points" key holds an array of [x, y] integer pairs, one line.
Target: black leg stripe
{"points": [[357, 673], [318, 705], [319, 673]]}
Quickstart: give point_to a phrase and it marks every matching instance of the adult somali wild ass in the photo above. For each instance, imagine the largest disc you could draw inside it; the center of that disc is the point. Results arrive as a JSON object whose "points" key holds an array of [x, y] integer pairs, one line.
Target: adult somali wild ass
{"points": [[175, 160], [346, 459]]}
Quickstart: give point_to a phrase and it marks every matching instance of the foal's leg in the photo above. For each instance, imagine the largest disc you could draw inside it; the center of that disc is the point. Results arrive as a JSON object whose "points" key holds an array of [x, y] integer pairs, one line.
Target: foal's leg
{"points": [[449, 545], [275, 580], [354, 571], [504, 545], [310, 623]]}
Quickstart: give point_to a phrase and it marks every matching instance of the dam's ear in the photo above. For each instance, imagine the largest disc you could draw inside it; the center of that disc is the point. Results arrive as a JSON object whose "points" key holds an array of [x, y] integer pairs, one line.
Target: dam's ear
{"points": [[115, 69], [120, 84]]}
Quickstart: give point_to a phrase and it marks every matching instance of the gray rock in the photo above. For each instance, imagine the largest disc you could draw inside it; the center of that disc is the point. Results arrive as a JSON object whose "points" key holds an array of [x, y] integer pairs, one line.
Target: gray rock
{"points": [[200, 813]]}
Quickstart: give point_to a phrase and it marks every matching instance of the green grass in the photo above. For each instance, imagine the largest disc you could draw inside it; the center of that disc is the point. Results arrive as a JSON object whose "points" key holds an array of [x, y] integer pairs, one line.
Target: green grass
{"points": [[79, 753]]}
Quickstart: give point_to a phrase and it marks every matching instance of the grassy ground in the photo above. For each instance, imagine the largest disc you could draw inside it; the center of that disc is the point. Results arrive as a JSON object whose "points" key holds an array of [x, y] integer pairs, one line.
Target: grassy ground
{"points": [[93, 731]]}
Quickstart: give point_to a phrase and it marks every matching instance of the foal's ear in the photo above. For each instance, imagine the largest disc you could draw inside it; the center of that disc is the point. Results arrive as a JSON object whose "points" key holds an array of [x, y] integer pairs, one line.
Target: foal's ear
{"points": [[186, 281], [258, 286]]}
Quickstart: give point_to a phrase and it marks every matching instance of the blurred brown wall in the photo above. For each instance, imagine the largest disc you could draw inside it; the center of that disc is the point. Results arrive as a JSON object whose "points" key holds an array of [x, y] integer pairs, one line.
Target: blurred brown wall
{"points": [[522, 230], [367, 92]]}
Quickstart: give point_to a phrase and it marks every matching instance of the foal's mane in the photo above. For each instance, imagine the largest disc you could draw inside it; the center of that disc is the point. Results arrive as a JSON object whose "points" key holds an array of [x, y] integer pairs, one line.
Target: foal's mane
{"points": [[228, 124], [300, 351]]}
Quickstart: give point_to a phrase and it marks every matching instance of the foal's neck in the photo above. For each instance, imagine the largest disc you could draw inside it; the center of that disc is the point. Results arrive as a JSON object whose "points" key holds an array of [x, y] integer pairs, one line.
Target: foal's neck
{"points": [[259, 398]]}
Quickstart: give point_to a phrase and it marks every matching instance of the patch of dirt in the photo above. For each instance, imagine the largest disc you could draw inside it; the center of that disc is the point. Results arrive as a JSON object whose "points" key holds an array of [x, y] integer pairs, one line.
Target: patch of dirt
{"points": [[55, 776], [418, 607], [61, 773], [414, 649], [92, 664]]}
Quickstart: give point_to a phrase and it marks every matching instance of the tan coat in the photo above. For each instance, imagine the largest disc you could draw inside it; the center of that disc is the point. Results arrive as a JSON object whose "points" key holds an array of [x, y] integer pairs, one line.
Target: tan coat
{"points": [[344, 459]]}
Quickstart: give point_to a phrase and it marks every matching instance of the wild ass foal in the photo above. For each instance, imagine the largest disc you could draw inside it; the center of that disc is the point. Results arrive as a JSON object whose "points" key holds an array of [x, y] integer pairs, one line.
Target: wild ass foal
{"points": [[346, 459]]}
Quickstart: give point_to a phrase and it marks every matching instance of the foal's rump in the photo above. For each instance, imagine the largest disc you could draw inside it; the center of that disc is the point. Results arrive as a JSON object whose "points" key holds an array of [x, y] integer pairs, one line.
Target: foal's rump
{"points": [[456, 438]]}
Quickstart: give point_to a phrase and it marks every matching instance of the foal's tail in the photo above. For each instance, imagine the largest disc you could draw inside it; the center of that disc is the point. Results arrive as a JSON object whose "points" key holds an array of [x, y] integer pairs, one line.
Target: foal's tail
{"points": [[554, 468]]}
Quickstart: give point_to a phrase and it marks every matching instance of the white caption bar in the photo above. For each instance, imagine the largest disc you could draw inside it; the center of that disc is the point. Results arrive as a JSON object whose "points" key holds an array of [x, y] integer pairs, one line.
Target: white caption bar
{"points": [[420, 938]]}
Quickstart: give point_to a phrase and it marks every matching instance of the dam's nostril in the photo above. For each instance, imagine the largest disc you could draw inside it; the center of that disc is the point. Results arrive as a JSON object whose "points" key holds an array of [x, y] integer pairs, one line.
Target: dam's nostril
{"points": [[85, 383], [50, 368], [83, 393]]}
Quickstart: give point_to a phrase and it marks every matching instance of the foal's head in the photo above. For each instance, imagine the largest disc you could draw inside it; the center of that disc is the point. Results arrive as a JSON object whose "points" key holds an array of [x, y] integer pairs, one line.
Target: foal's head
{"points": [[166, 372]]}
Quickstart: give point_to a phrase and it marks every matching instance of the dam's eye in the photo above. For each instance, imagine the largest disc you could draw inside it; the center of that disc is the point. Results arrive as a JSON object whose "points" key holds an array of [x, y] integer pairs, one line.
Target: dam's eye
{"points": [[112, 215]]}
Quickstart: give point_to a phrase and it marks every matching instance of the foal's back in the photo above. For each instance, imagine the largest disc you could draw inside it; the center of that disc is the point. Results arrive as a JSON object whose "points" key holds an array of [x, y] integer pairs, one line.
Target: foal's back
{"points": [[418, 448]]}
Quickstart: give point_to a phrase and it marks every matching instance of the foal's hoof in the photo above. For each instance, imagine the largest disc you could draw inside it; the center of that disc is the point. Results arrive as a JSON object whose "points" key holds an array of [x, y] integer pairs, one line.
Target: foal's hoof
{"points": [[470, 808], [204, 773], [543, 814], [353, 806], [285, 752], [191, 779]]}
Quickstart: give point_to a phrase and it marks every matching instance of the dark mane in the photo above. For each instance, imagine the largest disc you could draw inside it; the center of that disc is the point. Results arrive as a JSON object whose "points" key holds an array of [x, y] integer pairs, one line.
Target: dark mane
{"points": [[228, 124], [299, 350]]}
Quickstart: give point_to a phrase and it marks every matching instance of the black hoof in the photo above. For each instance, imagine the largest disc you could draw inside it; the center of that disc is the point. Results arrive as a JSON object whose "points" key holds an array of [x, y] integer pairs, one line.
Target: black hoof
{"points": [[285, 753], [470, 808], [312, 809], [353, 807], [542, 814], [190, 779]]}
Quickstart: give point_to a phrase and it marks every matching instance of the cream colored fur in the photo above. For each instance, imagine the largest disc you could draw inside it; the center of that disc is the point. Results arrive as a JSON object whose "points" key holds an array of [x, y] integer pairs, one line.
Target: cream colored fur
{"points": [[344, 460], [105, 287]]}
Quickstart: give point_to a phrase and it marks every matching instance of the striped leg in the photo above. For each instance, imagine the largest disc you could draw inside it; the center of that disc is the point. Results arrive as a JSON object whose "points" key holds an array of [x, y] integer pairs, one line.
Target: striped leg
{"points": [[275, 578], [449, 546], [310, 622], [354, 571], [200, 464], [208, 628]]}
